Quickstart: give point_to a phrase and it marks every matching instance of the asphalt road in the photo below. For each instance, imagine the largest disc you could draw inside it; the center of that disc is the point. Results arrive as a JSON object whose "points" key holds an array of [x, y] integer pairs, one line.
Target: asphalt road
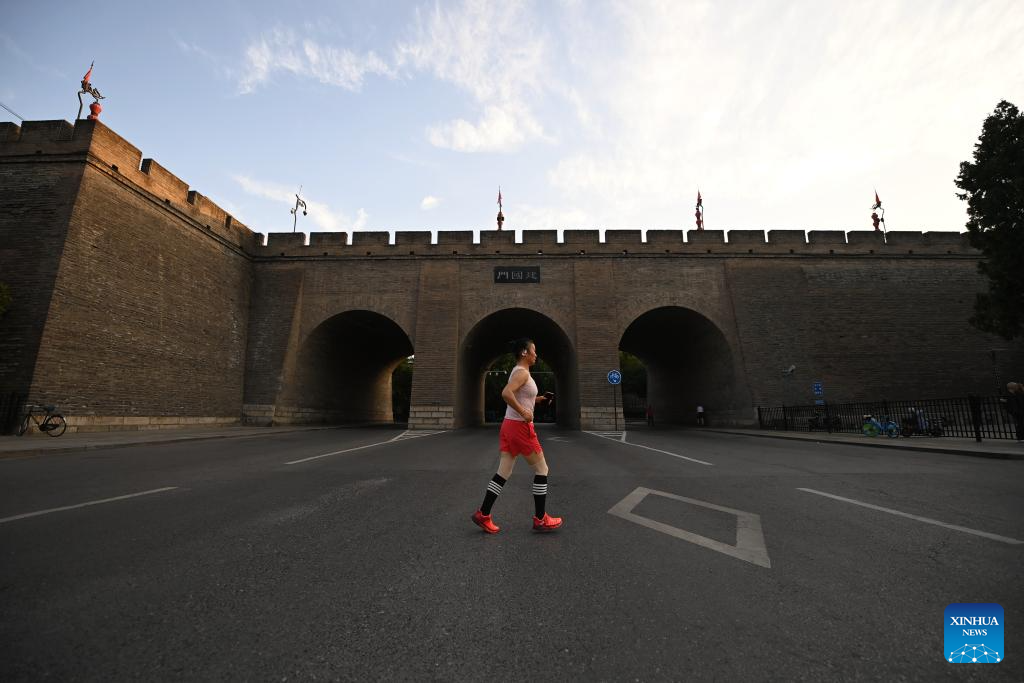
{"points": [[281, 558]]}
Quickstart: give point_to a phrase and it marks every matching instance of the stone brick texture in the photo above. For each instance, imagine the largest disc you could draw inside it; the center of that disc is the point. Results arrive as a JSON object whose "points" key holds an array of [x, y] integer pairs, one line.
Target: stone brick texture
{"points": [[139, 303], [146, 307]]}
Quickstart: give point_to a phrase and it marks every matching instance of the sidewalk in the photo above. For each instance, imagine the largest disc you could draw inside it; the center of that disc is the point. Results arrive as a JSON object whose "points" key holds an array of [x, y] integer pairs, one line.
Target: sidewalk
{"points": [[1006, 449], [41, 444], [38, 444]]}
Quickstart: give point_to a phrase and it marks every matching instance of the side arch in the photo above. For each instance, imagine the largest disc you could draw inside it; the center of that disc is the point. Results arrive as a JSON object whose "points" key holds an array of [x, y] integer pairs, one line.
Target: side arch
{"points": [[341, 371], [689, 362]]}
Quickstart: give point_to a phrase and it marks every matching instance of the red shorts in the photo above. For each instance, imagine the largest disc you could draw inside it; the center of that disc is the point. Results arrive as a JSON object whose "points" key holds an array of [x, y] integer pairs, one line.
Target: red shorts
{"points": [[519, 438]]}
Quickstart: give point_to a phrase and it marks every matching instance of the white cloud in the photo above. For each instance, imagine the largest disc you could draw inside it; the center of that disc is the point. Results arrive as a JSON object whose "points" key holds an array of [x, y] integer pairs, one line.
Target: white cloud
{"points": [[322, 215], [531, 217], [715, 95], [644, 100], [282, 50], [495, 51], [429, 202], [499, 130]]}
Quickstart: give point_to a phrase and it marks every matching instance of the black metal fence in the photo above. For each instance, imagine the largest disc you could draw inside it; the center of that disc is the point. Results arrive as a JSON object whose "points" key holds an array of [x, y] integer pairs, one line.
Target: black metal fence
{"points": [[10, 411], [977, 417]]}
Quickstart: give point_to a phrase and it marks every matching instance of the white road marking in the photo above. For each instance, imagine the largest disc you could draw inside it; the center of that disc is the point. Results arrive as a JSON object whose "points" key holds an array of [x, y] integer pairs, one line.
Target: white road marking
{"points": [[82, 505], [750, 546], [926, 520], [656, 450], [415, 434], [400, 437]]}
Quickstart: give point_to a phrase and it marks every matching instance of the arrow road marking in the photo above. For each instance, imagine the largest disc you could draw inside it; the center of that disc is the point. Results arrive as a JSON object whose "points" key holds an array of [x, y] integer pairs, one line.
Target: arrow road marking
{"points": [[750, 546]]}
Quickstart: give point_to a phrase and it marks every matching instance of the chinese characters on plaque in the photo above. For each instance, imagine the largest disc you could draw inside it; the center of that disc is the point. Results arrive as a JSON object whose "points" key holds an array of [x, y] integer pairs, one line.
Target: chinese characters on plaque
{"points": [[517, 275]]}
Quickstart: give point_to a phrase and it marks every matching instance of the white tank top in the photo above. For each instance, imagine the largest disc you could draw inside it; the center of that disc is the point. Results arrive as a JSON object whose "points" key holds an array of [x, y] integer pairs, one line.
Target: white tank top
{"points": [[525, 394]]}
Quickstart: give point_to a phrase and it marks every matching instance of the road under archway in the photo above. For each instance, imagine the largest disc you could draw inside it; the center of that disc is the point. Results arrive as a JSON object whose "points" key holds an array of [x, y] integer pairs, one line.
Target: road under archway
{"points": [[490, 338], [342, 373], [689, 362]]}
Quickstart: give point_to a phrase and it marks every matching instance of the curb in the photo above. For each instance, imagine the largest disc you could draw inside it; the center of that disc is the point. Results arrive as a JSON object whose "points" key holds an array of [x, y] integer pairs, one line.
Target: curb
{"points": [[876, 443], [29, 453]]}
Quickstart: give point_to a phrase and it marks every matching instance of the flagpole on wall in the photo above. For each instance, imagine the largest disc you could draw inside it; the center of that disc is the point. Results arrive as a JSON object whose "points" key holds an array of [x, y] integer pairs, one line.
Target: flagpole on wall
{"points": [[501, 216], [699, 212], [880, 219]]}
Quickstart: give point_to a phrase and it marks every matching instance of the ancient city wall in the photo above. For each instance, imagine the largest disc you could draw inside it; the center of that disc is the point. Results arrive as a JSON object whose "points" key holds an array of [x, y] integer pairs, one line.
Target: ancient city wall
{"points": [[147, 317], [140, 303]]}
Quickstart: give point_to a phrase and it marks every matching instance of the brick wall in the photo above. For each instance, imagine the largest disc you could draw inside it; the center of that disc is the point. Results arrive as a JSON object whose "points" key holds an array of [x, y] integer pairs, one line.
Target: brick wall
{"points": [[140, 303], [36, 200], [147, 321]]}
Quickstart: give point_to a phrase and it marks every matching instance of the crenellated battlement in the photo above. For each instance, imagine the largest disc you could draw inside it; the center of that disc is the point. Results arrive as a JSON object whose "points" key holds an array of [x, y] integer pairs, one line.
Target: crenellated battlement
{"points": [[614, 242], [95, 142]]}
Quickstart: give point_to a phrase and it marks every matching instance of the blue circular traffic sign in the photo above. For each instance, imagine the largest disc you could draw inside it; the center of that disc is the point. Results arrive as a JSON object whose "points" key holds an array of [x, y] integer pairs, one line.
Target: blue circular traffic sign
{"points": [[614, 377]]}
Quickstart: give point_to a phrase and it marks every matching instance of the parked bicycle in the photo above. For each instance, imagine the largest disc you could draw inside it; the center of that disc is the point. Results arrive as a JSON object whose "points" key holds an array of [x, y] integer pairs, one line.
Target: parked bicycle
{"points": [[821, 422], [873, 427], [917, 424], [46, 419]]}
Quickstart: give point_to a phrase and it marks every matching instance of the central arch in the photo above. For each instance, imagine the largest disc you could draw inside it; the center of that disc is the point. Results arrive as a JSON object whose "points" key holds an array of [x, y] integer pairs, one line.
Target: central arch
{"points": [[689, 362], [489, 339]]}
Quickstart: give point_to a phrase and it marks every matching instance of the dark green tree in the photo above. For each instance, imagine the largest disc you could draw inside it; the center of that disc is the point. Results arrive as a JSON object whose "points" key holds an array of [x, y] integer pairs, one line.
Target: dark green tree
{"points": [[634, 375], [496, 378], [993, 187], [5, 297], [401, 389]]}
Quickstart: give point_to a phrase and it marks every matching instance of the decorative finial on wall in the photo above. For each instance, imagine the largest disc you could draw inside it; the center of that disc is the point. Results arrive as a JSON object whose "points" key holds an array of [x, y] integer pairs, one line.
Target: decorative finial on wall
{"points": [[89, 89], [299, 202]]}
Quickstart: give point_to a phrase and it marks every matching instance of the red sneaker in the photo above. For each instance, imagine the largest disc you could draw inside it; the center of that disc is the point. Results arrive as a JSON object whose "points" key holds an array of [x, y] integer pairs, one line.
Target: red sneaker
{"points": [[547, 523], [484, 522]]}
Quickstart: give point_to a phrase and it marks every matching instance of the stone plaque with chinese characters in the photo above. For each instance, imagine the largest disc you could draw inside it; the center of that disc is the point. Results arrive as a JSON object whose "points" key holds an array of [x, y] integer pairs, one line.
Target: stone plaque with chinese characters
{"points": [[517, 274]]}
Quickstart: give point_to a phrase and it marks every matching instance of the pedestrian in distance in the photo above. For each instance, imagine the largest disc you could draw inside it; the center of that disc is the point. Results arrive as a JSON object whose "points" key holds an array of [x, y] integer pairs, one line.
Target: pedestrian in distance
{"points": [[650, 415], [518, 437], [1014, 404], [700, 416]]}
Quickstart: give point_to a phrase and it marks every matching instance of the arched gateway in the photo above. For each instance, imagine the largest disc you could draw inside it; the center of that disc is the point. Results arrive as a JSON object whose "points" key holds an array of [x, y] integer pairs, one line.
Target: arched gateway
{"points": [[689, 362], [137, 300], [489, 339]]}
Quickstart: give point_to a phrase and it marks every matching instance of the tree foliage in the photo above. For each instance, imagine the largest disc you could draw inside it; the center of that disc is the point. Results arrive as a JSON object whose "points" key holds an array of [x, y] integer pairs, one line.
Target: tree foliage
{"points": [[496, 378], [634, 374], [5, 297], [993, 187], [401, 390]]}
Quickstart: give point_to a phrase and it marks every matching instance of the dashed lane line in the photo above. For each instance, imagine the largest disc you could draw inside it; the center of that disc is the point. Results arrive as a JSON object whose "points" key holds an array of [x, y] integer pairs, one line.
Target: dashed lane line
{"points": [[82, 505], [926, 520], [401, 437], [622, 440]]}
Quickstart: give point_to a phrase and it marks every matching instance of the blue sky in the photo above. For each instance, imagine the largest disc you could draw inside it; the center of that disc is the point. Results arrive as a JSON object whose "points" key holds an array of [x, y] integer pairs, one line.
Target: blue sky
{"points": [[604, 114]]}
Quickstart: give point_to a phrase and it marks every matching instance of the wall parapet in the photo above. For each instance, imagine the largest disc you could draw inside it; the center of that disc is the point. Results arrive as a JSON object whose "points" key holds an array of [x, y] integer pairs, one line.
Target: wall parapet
{"points": [[615, 242], [94, 141]]}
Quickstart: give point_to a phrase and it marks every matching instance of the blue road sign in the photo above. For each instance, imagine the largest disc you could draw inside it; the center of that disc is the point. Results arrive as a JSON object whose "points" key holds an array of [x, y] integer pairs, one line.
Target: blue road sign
{"points": [[819, 389], [614, 377]]}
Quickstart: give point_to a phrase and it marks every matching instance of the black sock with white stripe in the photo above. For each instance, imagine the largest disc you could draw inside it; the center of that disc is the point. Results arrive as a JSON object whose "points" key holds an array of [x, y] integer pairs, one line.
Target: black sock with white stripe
{"points": [[493, 491], [540, 493]]}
